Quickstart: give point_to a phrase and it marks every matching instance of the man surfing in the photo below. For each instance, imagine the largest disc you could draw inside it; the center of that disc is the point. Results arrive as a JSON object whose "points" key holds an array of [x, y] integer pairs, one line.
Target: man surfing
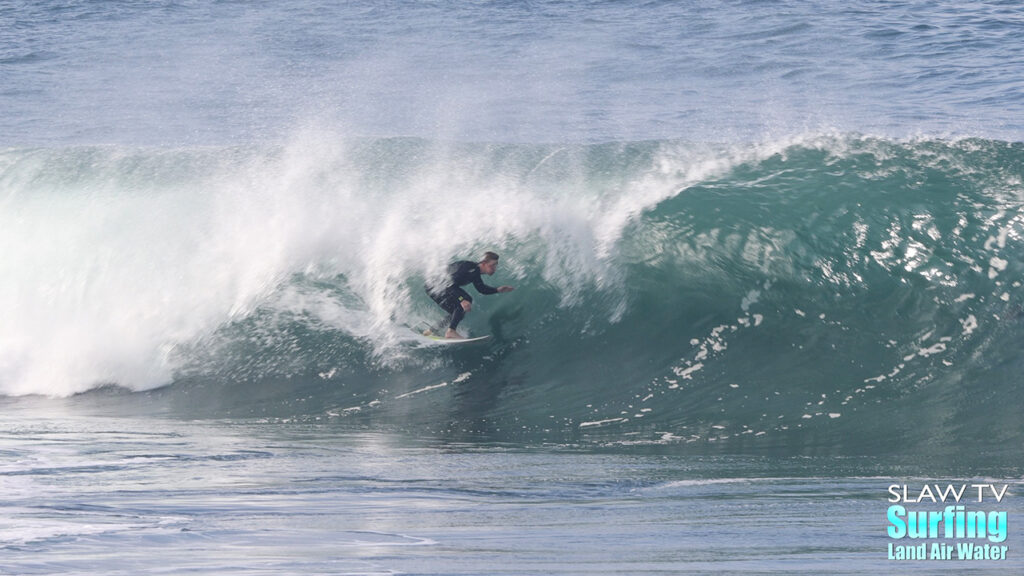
{"points": [[456, 301]]}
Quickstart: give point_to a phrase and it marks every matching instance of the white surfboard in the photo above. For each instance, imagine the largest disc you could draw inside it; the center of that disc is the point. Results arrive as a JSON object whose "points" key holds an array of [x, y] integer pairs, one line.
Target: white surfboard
{"points": [[443, 340]]}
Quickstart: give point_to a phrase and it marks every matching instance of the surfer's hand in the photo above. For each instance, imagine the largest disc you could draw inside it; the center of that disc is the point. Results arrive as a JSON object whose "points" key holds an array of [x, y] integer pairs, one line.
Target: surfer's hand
{"points": [[466, 305], [506, 288]]}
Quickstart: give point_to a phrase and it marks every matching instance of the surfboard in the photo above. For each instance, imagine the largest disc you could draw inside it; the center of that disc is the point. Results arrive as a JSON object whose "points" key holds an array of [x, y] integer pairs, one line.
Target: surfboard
{"points": [[429, 335], [443, 340]]}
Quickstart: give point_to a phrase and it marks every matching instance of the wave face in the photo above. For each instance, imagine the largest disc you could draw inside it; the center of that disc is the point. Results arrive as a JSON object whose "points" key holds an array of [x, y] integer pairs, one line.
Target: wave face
{"points": [[824, 293]]}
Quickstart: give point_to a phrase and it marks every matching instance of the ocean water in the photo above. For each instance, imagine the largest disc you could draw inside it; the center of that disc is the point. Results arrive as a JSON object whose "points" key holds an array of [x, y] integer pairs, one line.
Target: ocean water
{"points": [[766, 258]]}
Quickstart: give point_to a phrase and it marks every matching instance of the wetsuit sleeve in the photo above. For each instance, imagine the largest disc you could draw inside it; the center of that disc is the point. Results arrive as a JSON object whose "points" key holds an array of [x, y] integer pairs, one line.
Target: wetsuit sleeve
{"points": [[482, 288]]}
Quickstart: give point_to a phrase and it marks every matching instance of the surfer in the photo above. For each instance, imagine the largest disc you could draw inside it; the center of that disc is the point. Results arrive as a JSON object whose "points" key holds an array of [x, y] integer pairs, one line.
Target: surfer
{"points": [[456, 301]]}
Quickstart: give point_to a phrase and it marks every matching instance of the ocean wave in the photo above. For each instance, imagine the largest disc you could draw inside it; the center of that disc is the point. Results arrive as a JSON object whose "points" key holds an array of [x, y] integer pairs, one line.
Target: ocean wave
{"points": [[822, 291]]}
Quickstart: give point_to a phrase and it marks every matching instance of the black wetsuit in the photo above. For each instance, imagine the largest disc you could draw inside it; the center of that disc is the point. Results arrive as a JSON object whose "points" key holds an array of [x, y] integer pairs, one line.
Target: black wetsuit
{"points": [[451, 295]]}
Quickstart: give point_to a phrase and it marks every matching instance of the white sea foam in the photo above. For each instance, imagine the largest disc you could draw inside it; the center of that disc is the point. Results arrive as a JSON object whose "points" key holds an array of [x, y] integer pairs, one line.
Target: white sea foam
{"points": [[116, 261]]}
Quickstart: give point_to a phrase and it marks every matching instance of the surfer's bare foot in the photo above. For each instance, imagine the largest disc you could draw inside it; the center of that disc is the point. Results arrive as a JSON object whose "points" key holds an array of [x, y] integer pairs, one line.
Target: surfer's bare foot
{"points": [[452, 334]]}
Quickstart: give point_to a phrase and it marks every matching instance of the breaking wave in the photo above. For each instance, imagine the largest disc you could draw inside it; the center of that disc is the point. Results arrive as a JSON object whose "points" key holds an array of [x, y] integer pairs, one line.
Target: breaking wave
{"points": [[827, 292]]}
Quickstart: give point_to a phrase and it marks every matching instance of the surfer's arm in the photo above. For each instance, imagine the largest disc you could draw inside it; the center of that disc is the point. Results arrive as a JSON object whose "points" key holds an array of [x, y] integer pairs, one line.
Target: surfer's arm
{"points": [[485, 289], [482, 288]]}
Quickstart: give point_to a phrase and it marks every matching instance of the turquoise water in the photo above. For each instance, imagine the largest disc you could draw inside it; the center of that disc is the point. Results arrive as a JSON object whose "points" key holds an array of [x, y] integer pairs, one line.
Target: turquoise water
{"points": [[766, 258]]}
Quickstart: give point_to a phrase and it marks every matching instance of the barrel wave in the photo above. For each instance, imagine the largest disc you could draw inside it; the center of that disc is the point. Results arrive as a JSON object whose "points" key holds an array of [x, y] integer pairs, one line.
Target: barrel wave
{"points": [[829, 293]]}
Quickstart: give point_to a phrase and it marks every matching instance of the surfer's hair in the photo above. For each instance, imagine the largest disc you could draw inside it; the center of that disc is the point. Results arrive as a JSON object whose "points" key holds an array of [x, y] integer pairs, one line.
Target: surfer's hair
{"points": [[490, 257]]}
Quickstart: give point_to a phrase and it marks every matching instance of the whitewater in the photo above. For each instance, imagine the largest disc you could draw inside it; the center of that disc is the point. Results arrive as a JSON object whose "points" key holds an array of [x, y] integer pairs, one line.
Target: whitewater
{"points": [[766, 258]]}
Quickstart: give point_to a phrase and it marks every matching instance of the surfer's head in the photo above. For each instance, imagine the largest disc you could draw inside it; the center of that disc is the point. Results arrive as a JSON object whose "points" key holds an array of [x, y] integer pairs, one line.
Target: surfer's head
{"points": [[490, 263]]}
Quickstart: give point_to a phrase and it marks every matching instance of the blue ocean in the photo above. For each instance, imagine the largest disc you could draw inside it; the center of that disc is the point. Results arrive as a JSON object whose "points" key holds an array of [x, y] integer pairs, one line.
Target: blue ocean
{"points": [[767, 269]]}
